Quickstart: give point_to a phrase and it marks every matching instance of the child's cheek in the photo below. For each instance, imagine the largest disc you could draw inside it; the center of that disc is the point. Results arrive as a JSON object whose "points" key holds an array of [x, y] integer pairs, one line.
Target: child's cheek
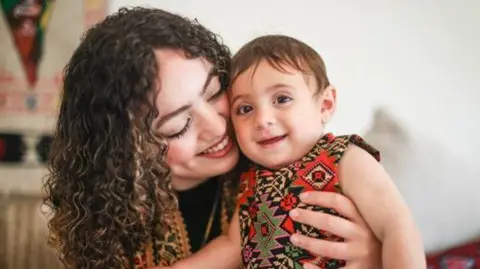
{"points": [[244, 138]]}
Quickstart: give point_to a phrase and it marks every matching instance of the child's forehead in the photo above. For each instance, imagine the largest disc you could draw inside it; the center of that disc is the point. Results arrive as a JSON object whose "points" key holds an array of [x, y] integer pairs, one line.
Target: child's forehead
{"points": [[266, 74], [265, 71]]}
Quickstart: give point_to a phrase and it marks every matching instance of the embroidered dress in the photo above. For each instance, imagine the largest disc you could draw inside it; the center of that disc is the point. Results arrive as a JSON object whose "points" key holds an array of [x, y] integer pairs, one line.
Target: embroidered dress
{"points": [[266, 197], [175, 243]]}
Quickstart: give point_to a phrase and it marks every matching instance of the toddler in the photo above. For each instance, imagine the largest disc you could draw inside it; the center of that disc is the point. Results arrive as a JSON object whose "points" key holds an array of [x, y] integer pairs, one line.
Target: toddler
{"points": [[281, 100]]}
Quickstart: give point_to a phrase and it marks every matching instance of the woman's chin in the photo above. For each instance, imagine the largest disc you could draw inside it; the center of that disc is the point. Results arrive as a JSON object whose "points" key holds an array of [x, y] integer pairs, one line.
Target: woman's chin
{"points": [[217, 163]]}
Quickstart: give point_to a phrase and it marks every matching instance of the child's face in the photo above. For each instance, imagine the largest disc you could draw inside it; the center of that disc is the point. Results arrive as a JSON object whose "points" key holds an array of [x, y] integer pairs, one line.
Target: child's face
{"points": [[277, 116]]}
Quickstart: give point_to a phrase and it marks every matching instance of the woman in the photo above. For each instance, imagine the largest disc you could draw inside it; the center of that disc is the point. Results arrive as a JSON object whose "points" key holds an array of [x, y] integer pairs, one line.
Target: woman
{"points": [[141, 80]]}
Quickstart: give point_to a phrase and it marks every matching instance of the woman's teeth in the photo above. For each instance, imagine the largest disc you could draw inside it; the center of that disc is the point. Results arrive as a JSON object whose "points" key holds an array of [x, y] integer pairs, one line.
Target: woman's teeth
{"points": [[217, 147]]}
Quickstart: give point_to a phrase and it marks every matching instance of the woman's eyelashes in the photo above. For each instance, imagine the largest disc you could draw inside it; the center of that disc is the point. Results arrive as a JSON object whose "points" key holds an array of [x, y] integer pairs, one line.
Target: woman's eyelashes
{"points": [[216, 95], [182, 131], [187, 125]]}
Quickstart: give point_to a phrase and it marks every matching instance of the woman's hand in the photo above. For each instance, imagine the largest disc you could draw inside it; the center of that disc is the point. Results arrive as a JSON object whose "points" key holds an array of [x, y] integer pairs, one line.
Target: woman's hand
{"points": [[360, 247]]}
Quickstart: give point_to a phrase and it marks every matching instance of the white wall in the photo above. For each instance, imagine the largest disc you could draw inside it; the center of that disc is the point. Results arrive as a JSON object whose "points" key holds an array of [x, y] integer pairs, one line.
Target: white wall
{"points": [[419, 58]]}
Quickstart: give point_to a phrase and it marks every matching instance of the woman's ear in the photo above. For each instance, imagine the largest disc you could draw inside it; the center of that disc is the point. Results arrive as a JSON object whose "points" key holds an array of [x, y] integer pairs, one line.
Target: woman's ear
{"points": [[328, 103]]}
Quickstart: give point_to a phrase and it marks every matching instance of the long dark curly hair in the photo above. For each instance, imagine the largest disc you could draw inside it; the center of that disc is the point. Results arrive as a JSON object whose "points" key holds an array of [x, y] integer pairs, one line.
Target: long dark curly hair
{"points": [[108, 188]]}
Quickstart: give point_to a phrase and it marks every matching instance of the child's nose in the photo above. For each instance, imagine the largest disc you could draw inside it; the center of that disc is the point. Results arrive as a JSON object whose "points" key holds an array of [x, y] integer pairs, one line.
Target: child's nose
{"points": [[264, 119]]}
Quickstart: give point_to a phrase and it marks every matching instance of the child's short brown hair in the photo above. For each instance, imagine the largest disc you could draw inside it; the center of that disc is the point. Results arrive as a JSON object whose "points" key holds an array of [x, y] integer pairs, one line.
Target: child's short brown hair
{"points": [[279, 50]]}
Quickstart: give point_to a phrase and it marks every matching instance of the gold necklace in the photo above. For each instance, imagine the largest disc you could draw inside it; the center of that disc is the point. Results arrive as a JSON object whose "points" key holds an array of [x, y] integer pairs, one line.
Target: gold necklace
{"points": [[208, 229]]}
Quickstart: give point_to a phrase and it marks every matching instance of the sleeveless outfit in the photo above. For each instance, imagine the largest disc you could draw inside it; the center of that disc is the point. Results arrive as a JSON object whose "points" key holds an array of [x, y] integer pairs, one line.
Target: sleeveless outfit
{"points": [[266, 197]]}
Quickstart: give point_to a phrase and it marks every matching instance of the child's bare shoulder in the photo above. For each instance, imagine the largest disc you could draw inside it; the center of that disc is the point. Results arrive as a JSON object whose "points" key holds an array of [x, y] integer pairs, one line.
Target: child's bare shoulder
{"points": [[360, 164]]}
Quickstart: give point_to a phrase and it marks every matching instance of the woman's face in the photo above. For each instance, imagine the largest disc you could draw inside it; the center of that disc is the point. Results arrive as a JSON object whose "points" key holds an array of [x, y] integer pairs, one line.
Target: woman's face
{"points": [[194, 117]]}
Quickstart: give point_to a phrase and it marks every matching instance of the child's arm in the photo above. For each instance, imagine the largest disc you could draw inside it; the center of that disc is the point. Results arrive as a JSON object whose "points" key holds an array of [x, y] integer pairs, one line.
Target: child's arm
{"points": [[365, 181], [223, 252]]}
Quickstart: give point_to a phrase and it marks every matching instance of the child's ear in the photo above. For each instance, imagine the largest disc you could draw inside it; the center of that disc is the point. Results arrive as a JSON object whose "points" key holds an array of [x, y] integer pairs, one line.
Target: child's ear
{"points": [[328, 103]]}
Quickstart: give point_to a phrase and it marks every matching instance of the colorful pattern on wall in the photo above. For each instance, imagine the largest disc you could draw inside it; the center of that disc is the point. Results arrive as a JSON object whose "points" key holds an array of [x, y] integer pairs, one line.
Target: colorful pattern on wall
{"points": [[28, 21], [38, 37], [37, 40]]}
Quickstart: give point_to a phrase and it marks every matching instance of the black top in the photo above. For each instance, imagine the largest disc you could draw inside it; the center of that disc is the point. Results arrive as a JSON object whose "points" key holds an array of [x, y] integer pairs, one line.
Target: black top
{"points": [[196, 206]]}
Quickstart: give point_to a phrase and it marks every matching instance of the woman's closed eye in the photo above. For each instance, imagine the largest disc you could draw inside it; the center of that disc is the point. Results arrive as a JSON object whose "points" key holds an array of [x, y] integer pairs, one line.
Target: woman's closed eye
{"points": [[216, 95], [182, 131]]}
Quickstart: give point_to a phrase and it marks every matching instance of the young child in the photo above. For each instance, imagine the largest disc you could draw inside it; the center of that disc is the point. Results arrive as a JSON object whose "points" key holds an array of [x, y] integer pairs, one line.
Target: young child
{"points": [[281, 100]]}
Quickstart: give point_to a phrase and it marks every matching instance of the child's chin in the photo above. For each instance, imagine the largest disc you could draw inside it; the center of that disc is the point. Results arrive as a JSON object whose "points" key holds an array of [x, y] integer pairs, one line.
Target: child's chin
{"points": [[276, 164]]}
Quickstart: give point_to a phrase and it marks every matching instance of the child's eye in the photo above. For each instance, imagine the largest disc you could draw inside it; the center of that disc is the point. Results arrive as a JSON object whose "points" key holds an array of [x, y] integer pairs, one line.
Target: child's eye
{"points": [[282, 99], [244, 109]]}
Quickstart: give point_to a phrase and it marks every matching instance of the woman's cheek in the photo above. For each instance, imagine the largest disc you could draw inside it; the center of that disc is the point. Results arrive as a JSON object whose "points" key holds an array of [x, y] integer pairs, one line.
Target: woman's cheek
{"points": [[222, 106], [180, 151]]}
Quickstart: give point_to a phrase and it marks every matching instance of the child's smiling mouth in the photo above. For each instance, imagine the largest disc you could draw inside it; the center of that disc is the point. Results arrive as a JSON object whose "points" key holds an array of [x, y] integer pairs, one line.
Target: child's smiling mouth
{"points": [[271, 141]]}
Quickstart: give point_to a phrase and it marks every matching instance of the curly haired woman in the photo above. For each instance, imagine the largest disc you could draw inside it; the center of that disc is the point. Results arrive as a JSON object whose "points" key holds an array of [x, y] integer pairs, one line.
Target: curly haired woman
{"points": [[140, 167]]}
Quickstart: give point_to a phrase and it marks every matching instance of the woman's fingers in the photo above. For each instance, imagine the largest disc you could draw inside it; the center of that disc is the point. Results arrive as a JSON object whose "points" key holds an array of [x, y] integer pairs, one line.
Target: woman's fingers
{"points": [[310, 266], [360, 248], [339, 202], [348, 266], [354, 266], [324, 248], [326, 222]]}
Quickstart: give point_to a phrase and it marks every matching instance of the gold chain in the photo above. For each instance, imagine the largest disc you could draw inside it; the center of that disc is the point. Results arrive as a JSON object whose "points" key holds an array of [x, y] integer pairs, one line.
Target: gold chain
{"points": [[208, 229]]}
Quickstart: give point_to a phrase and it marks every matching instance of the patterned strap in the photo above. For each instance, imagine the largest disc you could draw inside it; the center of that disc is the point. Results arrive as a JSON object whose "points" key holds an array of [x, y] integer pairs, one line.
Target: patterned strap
{"points": [[360, 142]]}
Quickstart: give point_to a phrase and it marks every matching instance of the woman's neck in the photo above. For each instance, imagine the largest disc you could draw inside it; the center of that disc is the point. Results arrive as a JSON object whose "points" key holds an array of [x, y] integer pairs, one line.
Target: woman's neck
{"points": [[185, 184]]}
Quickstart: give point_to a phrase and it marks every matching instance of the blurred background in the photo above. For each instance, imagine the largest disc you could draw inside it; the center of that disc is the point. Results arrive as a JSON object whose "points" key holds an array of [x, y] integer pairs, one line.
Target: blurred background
{"points": [[408, 79]]}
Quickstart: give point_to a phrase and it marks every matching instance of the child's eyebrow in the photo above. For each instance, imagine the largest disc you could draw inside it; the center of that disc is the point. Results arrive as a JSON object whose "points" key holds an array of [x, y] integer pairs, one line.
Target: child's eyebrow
{"points": [[273, 87], [236, 97], [277, 86]]}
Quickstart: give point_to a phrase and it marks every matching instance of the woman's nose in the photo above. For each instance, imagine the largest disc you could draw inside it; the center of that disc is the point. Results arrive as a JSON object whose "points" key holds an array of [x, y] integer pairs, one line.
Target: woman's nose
{"points": [[212, 125]]}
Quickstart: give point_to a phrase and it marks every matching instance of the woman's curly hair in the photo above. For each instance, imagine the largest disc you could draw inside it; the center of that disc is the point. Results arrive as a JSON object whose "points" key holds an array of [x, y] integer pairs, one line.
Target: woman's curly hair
{"points": [[108, 188]]}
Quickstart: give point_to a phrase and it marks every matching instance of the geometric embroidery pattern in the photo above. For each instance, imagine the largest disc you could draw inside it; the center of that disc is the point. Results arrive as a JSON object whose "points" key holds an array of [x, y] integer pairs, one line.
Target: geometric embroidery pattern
{"points": [[174, 243], [267, 196]]}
